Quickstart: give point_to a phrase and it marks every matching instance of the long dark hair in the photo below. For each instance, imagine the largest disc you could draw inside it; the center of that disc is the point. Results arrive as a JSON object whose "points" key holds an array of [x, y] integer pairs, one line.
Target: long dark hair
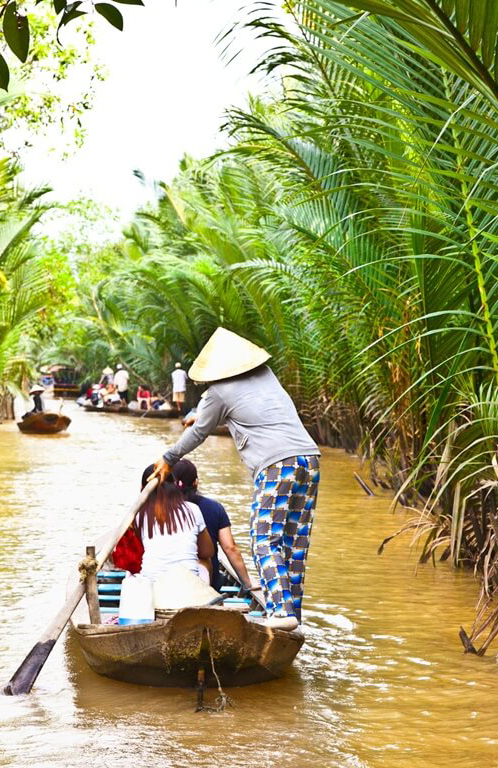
{"points": [[185, 475], [165, 506]]}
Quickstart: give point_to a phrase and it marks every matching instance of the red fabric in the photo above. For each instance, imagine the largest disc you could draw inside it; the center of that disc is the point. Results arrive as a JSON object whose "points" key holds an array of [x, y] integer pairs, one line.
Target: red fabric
{"points": [[128, 552]]}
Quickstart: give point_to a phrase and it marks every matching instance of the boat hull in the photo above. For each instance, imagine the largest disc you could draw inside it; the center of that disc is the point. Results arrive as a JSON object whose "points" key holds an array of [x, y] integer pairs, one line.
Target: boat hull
{"points": [[44, 423], [172, 413], [106, 409], [171, 652], [125, 411]]}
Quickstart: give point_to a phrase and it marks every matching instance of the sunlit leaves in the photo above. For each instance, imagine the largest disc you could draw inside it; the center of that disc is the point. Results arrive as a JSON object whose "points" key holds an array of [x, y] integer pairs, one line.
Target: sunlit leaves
{"points": [[16, 24], [462, 34]]}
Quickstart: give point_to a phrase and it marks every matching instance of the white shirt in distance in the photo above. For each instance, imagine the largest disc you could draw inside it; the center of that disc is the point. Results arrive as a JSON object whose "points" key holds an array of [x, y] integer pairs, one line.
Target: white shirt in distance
{"points": [[179, 378]]}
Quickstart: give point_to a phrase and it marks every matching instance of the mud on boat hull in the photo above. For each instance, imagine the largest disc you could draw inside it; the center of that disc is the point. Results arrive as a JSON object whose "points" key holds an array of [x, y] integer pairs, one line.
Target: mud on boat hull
{"points": [[169, 652]]}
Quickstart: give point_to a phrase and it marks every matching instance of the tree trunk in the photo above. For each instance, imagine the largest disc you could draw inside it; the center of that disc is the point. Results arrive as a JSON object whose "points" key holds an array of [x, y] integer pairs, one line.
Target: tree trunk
{"points": [[6, 406]]}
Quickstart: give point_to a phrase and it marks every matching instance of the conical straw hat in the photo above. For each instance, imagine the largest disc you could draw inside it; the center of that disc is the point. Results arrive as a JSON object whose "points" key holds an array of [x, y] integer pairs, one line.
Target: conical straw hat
{"points": [[226, 354]]}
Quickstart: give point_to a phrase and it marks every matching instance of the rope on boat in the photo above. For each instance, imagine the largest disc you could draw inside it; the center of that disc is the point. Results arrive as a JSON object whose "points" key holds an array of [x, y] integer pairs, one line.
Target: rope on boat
{"points": [[222, 701], [87, 567]]}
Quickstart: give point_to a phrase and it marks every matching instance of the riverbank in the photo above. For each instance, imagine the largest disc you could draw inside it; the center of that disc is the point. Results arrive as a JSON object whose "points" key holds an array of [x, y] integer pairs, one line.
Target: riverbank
{"points": [[380, 683]]}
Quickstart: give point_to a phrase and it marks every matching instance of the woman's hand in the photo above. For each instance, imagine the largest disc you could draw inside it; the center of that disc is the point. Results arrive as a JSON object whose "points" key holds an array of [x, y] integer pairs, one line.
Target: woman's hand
{"points": [[161, 470]]}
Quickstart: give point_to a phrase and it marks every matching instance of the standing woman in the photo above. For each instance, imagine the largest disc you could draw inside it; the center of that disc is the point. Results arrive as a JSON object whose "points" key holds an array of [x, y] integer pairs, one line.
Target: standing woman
{"points": [[245, 395]]}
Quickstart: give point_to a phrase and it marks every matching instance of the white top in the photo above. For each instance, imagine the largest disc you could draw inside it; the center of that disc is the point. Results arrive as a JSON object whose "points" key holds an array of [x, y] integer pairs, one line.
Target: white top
{"points": [[121, 379], [179, 378], [161, 552]]}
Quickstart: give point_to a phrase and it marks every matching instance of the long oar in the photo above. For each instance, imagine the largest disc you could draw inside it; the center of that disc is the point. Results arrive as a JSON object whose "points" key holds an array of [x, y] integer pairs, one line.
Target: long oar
{"points": [[24, 677]]}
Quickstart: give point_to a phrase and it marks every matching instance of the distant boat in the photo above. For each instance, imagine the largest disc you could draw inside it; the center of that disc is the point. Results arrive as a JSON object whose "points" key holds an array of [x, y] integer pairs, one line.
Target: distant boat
{"points": [[126, 411], [45, 423], [63, 378], [154, 413], [107, 408]]}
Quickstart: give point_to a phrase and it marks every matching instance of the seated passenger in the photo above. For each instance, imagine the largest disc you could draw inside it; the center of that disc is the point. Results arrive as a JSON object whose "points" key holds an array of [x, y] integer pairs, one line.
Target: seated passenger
{"points": [[156, 401], [172, 530], [111, 396], [143, 398], [217, 523]]}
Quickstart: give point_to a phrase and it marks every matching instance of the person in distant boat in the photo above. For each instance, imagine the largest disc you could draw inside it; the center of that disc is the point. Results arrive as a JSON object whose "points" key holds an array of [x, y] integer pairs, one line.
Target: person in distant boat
{"points": [[121, 382], [283, 459], [143, 398], [156, 401], [172, 530], [179, 380], [94, 396], [111, 396], [107, 378], [36, 393], [217, 523]]}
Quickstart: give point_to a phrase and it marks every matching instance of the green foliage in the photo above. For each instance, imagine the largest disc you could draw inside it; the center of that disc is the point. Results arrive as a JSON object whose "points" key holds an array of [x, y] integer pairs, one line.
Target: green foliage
{"points": [[17, 26], [16, 31], [24, 281], [39, 99], [111, 14]]}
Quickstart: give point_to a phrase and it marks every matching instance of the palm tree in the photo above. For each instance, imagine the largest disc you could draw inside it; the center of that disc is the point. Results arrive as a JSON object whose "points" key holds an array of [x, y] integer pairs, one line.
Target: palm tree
{"points": [[23, 280]]}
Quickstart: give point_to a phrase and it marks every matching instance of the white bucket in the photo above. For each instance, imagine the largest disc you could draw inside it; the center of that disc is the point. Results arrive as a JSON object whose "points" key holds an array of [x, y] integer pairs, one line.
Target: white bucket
{"points": [[136, 604]]}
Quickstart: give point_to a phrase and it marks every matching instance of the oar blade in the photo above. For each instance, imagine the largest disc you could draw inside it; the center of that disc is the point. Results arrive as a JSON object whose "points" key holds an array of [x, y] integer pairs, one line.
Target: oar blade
{"points": [[25, 675]]}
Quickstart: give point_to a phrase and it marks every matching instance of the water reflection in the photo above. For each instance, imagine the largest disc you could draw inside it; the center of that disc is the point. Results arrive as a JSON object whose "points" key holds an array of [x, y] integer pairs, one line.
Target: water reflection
{"points": [[381, 680]]}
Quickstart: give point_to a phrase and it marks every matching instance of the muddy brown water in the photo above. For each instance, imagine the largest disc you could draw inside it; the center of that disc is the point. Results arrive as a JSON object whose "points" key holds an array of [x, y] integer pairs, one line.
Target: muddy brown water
{"points": [[380, 682]]}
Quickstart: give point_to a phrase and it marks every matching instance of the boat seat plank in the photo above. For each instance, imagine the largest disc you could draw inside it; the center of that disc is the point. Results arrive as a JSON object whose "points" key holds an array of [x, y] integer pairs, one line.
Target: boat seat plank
{"points": [[232, 600], [111, 574]]}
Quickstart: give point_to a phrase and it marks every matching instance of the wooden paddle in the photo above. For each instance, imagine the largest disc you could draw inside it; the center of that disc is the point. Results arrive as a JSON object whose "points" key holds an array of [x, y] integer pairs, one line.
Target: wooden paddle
{"points": [[24, 677]]}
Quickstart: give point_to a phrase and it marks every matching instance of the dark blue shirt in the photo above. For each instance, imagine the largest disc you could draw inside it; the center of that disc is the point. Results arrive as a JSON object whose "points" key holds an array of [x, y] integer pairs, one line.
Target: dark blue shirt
{"points": [[215, 518]]}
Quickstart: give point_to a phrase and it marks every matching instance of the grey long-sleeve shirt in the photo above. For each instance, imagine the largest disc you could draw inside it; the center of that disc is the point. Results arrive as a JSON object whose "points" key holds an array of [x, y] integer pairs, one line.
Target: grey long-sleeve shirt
{"points": [[260, 416]]}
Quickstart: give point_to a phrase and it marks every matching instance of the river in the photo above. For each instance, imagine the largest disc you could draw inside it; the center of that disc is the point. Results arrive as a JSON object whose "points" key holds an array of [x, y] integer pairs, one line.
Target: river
{"points": [[380, 682]]}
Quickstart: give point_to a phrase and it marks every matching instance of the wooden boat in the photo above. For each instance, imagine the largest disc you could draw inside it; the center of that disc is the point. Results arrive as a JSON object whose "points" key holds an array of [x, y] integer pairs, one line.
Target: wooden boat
{"points": [[45, 423], [124, 410], [181, 647], [64, 380], [170, 413]]}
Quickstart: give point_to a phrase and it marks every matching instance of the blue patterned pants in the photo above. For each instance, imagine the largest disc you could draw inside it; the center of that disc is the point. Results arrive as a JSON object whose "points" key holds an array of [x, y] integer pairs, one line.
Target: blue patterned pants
{"points": [[281, 519]]}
